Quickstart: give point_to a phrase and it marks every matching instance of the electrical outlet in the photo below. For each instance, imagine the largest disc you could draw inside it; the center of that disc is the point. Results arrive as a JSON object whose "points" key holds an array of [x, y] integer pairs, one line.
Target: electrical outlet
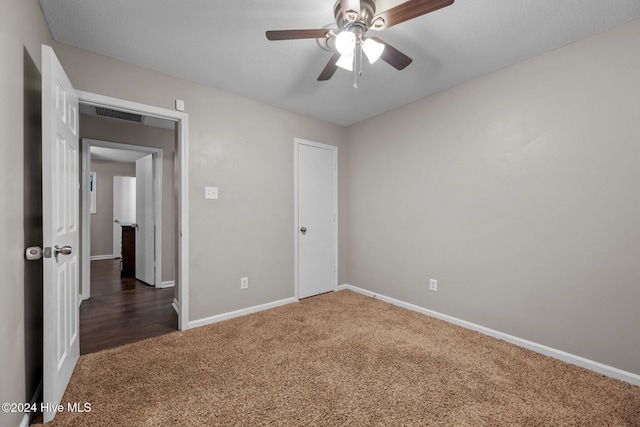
{"points": [[244, 283], [433, 285]]}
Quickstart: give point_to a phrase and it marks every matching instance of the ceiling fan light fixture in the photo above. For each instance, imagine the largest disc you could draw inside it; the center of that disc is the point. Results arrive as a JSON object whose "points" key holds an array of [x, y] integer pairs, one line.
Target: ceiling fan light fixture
{"points": [[353, 20], [345, 42], [372, 49], [346, 61]]}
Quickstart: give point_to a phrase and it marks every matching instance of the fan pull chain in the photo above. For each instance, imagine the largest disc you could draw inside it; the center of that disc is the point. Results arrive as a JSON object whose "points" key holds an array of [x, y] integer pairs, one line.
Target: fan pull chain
{"points": [[356, 73]]}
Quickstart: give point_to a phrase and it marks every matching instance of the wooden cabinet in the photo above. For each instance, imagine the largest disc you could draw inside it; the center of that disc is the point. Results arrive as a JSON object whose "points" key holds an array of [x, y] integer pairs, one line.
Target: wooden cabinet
{"points": [[128, 251]]}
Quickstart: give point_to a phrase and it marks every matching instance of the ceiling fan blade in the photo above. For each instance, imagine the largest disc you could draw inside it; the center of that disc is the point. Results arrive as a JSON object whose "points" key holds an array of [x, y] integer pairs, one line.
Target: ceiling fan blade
{"points": [[297, 34], [330, 68], [409, 10], [349, 5], [393, 56]]}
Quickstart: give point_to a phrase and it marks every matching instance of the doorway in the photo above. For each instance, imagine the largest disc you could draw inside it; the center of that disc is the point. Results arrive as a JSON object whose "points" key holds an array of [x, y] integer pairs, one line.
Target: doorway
{"points": [[137, 171], [126, 274], [316, 211], [180, 303]]}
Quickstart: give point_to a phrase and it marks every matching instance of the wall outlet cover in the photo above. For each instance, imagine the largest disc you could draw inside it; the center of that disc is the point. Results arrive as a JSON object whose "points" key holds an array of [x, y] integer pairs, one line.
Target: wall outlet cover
{"points": [[433, 285], [211, 193]]}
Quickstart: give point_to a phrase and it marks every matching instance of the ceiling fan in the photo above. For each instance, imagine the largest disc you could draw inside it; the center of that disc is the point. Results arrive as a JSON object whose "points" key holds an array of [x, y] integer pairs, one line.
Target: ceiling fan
{"points": [[354, 18]]}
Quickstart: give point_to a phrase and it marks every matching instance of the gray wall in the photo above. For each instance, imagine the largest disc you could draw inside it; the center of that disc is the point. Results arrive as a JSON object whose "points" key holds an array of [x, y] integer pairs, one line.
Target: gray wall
{"points": [[519, 193], [112, 130], [22, 30], [246, 149], [102, 220]]}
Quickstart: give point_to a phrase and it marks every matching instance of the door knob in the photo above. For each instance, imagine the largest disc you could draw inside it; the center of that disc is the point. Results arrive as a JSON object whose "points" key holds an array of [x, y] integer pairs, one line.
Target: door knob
{"points": [[65, 250], [303, 230]]}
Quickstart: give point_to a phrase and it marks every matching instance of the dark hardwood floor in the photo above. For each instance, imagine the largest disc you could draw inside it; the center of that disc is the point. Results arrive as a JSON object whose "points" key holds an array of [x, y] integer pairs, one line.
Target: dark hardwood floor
{"points": [[122, 310]]}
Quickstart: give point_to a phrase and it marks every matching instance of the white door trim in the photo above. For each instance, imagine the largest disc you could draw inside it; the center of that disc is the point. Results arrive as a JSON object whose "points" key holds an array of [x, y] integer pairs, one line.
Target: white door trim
{"points": [[157, 154], [296, 234], [182, 181]]}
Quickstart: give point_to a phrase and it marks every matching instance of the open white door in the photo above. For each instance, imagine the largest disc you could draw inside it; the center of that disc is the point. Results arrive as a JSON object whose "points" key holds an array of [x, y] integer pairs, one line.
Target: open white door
{"points": [[317, 200], [145, 231], [60, 195]]}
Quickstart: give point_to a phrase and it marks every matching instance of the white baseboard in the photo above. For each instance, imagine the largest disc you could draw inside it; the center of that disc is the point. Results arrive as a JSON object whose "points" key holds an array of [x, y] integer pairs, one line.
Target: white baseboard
{"points": [[572, 359], [238, 313], [168, 284], [26, 419], [176, 306], [101, 257]]}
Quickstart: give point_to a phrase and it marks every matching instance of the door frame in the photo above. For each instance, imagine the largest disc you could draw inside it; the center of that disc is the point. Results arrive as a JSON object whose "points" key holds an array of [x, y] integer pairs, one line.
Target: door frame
{"points": [[157, 154], [297, 142], [182, 185]]}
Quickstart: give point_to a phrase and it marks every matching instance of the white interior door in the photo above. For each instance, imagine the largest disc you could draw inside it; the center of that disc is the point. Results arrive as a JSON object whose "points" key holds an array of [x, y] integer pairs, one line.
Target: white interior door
{"points": [[145, 230], [124, 208], [60, 176], [317, 212]]}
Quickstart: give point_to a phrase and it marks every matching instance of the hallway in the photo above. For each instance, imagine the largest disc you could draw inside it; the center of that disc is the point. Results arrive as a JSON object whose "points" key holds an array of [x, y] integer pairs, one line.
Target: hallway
{"points": [[122, 310]]}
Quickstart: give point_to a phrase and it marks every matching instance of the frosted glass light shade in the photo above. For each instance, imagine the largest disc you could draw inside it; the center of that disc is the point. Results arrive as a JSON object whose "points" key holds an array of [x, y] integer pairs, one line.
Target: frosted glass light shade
{"points": [[345, 42], [346, 62], [372, 49]]}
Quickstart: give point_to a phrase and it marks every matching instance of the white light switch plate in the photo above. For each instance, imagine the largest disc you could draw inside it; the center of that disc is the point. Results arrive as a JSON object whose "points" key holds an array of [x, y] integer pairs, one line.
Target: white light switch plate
{"points": [[211, 192]]}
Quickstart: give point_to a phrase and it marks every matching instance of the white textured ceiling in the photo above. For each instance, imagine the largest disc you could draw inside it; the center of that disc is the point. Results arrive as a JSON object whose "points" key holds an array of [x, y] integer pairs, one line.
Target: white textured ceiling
{"points": [[223, 44]]}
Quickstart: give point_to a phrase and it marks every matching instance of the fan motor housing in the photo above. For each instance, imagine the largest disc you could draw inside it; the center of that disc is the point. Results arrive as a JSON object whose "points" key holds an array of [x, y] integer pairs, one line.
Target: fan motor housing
{"points": [[367, 12]]}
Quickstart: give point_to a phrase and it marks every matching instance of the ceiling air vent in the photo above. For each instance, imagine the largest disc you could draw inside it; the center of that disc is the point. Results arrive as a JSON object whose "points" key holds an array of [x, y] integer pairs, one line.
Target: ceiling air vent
{"points": [[115, 114]]}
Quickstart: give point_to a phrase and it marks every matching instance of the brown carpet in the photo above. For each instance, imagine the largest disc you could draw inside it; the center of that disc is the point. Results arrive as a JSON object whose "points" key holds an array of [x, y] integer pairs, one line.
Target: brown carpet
{"points": [[339, 359]]}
